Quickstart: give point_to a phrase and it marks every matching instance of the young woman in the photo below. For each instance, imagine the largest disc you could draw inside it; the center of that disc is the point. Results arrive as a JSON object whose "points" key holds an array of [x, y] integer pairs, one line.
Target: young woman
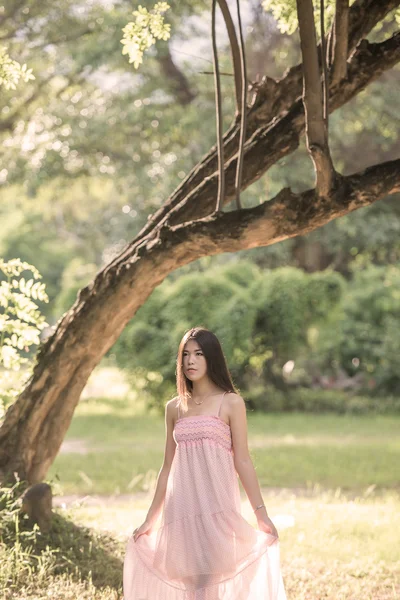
{"points": [[204, 549]]}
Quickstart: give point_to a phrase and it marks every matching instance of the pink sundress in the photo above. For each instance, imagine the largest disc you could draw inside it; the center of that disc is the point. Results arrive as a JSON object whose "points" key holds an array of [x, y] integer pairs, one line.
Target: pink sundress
{"points": [[203, 549]]}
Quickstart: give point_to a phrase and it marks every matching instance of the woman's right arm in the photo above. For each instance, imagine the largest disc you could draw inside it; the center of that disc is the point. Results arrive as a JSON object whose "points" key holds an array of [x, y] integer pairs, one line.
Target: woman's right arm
{"points": [[169, 453]]}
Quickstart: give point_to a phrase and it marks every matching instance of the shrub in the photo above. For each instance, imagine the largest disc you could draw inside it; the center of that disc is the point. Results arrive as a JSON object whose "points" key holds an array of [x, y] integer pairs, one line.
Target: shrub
{"points": [[362, 334], [269, 399]]}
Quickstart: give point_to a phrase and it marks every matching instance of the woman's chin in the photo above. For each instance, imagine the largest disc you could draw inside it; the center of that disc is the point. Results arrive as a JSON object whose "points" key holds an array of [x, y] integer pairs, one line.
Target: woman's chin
{"points": [[194, 376]]}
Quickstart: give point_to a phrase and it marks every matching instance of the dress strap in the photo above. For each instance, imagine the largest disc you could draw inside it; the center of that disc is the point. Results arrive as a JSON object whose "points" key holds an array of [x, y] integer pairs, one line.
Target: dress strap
{"points": [[219, 410]]}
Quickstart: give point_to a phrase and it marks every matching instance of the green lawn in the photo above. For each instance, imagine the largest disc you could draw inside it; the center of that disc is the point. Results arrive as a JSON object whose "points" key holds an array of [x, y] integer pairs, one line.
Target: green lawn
{"points": [[332, 548], [112, 449]]}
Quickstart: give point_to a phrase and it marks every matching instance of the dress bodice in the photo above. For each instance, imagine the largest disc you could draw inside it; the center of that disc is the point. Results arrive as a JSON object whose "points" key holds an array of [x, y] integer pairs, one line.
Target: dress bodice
{"points": [[199, 428]]}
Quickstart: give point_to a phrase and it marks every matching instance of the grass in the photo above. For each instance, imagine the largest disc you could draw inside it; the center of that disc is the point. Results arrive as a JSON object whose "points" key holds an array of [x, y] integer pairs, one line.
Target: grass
{"points": [[68, 560], [331, 484], [289, 450], [343, 549], [332, 547]]}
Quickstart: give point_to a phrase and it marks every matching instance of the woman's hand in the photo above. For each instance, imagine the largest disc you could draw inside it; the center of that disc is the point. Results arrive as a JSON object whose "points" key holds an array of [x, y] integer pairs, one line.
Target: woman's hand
{"points": [[265, 524], [145, 528]]}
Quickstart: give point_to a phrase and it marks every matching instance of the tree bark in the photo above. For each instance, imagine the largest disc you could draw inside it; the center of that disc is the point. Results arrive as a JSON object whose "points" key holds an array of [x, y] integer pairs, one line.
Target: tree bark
{"points": [[316, 126], [178, 82], [340, 41], [35, 425]]}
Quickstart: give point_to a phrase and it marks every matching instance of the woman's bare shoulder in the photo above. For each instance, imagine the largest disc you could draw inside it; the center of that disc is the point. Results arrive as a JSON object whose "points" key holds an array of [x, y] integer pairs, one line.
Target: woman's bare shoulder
{"points": [[234, 404], [234, 399], [172, 404], [173, 400]]}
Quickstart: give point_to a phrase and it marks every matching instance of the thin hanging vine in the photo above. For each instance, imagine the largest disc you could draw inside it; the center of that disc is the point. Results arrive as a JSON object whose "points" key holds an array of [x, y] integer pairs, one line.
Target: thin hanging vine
{"points": [[324, 59], [218, 103], [241, 91], [243, 112]]}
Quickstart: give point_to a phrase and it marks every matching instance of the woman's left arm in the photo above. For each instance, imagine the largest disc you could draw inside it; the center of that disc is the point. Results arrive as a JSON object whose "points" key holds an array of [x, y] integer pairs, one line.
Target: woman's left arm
{"points": [[244, 464]]}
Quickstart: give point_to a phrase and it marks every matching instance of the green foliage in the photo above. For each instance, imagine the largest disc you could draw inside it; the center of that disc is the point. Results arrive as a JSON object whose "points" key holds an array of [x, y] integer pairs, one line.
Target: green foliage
{"points": [[266, 398], [260, 317], [288, 302], [30, 558], [285, 13], [362, 335], [69, 231], [238, 271], [317, 321], [20, 321], [20, 318], [11, 71], [76, 275], [144, 31]]}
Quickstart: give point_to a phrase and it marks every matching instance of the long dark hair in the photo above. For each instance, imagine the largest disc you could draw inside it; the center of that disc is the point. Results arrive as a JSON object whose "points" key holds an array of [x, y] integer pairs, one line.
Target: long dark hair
{"points": [[217, 369]]}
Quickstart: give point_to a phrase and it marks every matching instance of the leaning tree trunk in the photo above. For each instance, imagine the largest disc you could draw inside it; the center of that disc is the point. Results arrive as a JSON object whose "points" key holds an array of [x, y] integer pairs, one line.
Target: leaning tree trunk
{"points": [[35, 425]]}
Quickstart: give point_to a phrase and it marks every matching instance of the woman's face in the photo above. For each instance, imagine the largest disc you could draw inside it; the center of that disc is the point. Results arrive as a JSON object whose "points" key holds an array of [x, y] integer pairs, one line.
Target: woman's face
{"points": [[194, 361]]}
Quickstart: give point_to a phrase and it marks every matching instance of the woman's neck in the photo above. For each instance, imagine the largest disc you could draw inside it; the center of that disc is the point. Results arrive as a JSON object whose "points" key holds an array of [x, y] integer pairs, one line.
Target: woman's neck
{"points": [[204, 389]]}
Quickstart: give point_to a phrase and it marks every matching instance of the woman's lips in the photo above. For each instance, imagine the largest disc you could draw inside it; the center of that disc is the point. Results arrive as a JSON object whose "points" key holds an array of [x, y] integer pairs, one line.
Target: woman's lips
{"points": [[191, 370]]}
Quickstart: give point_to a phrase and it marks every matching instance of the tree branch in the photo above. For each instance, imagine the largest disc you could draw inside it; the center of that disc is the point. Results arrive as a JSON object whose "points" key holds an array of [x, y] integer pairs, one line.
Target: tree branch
{"points": [[287, 215], [316, 129], [177, 80], [195, 197], [364, 15], [340, 40], [272, 99]]}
